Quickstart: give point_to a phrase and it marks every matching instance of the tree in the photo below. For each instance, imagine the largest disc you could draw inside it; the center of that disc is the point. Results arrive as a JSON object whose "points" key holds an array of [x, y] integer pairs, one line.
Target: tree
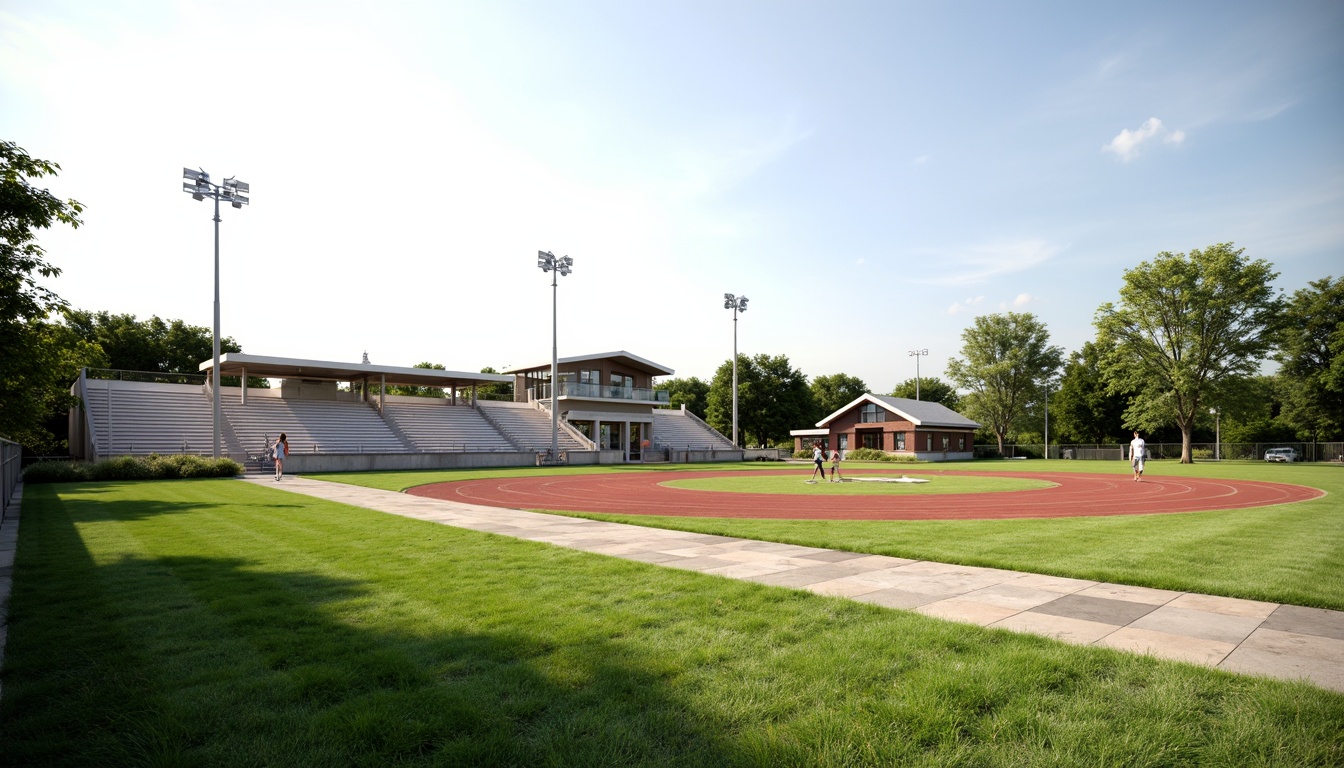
{"points": [[493, 391], [1084, 409], [773, 397], [834, 392], [930, 389], [1186, 328], [691, 392], [27, 361], [416, 391], [36, 386], [1311, 353], [1008, 356], [154, 345]]}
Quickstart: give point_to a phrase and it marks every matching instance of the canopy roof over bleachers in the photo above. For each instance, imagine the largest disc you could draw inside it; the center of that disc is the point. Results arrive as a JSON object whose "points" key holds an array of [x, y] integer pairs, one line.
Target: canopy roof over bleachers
{"points": [[239, 364], [620, 357]]}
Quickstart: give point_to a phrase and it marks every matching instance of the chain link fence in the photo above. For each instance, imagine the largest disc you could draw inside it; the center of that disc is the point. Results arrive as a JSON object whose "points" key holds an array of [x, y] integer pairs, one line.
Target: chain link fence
{"points": [[1199, 451]]}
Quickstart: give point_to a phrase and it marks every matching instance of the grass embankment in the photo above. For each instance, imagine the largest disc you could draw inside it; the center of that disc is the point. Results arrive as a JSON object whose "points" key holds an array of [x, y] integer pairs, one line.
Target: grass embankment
{"points": [[1291, 553], [216, 622]]}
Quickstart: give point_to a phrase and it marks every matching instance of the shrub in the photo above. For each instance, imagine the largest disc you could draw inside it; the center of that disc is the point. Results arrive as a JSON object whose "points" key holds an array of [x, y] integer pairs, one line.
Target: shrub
{"points": [[1201, 453], [866, 454], [806, 453], [152, 467]]}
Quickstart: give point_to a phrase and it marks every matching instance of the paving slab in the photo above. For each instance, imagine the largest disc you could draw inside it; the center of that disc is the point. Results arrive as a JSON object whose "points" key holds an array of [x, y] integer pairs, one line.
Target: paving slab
{"points": [[1246, 636]]}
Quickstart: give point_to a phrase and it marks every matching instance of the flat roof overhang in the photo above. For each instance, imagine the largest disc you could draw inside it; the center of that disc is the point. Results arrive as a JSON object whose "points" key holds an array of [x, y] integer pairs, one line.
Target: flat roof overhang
{"points": [[623, 358], [235, 363]]}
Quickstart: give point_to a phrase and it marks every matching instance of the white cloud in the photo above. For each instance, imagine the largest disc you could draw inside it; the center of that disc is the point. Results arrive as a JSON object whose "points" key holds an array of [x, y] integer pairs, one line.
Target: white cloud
{"points": [[1126, 144], [922, 159], [1022, 300], [981, 263], [860, 261], [965, 306]]}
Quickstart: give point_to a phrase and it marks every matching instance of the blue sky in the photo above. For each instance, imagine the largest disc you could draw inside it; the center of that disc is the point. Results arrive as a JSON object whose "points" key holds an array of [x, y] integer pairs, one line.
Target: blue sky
{"points": [[872, 175]]}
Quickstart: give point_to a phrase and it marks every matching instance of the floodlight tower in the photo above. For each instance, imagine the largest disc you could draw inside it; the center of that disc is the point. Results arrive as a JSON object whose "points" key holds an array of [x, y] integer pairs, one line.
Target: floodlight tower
{"points": [[197, 184], [556, 266], [737, 304], [917, 353], [1217, 434]]}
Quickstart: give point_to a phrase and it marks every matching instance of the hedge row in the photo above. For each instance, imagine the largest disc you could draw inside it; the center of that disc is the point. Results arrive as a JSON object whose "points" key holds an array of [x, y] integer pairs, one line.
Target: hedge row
{"points": [[860, 454], [151, 467]]}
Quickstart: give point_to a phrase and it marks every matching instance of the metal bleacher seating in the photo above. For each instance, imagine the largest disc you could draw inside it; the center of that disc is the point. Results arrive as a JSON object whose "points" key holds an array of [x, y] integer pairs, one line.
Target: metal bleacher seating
{"points": [[529, 428], [312, 426], [675, 429]]}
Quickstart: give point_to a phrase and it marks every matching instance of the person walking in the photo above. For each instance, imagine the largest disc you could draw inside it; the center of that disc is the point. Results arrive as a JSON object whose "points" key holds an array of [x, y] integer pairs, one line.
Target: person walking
{"points": [[281, 452], [818, 461], [1138, 451], [835, 466]]}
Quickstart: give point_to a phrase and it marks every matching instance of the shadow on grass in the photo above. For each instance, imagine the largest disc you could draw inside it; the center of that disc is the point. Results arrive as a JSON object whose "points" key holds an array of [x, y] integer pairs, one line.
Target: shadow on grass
{"points": [[216, 661]]}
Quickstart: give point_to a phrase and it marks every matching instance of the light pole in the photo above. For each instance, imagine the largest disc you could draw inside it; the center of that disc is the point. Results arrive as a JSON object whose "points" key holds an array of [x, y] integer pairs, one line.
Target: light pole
{"points": [[561, 266], [1217, 434], [917, 353], [737, 304], [1047, 419], [234, 192]]}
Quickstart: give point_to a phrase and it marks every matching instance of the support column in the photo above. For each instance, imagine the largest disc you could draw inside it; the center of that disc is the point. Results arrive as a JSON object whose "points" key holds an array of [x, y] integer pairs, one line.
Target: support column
{"points": [[243, 373], [382, 390]]}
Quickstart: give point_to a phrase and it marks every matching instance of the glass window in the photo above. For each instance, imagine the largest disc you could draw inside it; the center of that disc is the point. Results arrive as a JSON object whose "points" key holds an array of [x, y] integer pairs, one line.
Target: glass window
{"points": [[961, 443], [945, 442], [928, 442], [871, 414], [900, 441], [872, 440]]}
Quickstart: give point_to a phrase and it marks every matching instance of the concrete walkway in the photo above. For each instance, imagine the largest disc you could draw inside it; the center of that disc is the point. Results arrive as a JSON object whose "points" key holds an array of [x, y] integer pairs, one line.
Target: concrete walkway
{"points": [[1247, 636]]}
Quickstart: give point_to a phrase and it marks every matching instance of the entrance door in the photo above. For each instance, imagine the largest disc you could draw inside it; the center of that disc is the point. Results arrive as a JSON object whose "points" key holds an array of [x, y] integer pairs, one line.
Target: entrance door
{"points": [[636, 440]]}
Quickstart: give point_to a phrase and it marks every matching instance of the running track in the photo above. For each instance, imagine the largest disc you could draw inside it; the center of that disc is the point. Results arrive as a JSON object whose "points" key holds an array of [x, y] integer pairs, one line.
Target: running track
{"points": [[1072, 495]]}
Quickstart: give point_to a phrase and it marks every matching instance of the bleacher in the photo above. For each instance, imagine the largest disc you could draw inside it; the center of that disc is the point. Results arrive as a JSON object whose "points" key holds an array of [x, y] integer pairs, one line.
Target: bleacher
{"points": [[143, 418], [675, 429], [529, 428], [433, 425], [312, 426]]}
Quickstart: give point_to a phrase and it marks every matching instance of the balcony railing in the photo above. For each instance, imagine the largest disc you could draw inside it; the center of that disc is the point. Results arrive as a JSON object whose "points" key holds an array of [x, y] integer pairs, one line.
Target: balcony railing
{"points": [[602, 392]]}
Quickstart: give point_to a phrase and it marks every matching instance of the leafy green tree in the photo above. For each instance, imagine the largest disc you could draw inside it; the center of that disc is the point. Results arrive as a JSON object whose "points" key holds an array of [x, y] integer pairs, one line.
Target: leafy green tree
{"points": [[1084, 410], [1187, 328], [773, 397], [494, 391], [691, 392], [415, 391], [28, 391], [834, 392], [930, 389], [1311, 355], [1007, 357], [154, 345], [39, 387]]}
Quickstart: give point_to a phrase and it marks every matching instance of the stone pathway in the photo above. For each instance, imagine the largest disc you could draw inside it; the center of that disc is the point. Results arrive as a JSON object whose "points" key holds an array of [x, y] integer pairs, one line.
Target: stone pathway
{"points": [[1282, 641]]}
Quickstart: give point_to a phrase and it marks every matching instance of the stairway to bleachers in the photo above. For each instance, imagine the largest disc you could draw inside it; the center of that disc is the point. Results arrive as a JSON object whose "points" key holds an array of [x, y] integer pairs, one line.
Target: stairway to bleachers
{"points": [[675, 429], [143, 418], [435, 426], [312, 426], [527, 427]]}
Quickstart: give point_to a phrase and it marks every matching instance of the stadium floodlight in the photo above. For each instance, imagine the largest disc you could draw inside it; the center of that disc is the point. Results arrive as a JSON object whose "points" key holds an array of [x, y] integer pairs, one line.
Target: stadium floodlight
{"points": [[737, 304], [1217, 433], [561, 266], [199, 186], [917, 353]]}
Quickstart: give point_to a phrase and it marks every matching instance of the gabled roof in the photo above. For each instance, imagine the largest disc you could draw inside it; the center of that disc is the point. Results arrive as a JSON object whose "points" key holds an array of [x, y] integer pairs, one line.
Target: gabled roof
{"points": [[621, 357], [921, 413]]}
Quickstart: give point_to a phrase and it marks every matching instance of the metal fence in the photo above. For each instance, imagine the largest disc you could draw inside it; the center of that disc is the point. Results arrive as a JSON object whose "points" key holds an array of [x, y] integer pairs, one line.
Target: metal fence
{"points": [[1199, 451], [11, 458]]}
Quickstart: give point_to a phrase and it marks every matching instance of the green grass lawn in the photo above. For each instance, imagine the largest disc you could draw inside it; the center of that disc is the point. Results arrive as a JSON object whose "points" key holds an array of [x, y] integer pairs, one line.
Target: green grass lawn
{"points": [[216, 622], [1291, 553]]}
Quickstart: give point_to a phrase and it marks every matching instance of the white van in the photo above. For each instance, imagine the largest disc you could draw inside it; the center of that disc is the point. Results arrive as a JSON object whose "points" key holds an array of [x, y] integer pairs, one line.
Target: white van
{"points": [[1281, 454]]}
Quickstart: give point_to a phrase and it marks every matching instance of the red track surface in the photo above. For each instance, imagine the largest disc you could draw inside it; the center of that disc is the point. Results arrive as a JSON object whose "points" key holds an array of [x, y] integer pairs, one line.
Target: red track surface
{"points": [[1073, 495]]}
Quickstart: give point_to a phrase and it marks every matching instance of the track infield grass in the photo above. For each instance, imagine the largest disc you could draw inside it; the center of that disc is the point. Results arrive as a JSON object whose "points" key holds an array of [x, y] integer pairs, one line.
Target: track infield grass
{"points": [[1289, 553], [216, 622]]}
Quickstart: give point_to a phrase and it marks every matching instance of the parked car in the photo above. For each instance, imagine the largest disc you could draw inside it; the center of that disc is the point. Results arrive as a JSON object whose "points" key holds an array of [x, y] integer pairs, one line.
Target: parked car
{"points": [[1281, 454]]}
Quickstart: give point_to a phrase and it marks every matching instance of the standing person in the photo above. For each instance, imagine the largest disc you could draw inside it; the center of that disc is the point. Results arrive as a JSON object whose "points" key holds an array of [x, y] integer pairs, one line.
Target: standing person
{"points": [[818, 460], [1138, 451], [281, 449], [835, 466]]}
